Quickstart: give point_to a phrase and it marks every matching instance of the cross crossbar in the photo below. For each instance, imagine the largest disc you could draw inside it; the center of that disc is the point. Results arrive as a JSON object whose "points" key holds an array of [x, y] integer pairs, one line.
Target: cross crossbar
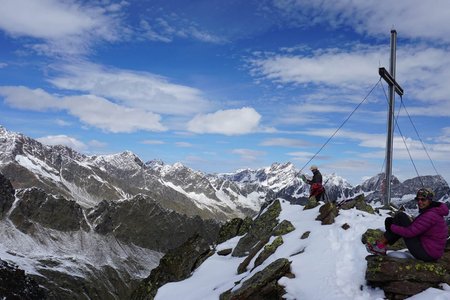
{"points": [[391, 81]]}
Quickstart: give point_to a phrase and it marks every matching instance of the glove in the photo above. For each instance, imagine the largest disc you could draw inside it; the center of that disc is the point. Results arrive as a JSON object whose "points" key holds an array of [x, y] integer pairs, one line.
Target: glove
{"points": [[303, 177], [388, 222]]}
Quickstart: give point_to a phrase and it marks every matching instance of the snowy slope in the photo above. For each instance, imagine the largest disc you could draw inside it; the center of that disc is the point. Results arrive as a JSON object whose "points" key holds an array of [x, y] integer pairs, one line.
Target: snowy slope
{"points": [[332, 265]]}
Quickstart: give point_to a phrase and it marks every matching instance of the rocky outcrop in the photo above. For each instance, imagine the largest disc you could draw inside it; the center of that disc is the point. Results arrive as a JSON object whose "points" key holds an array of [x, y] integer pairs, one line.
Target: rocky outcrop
{"points": [[263, 285], [261, 229], [402, 278], [151, 224], [35, 206], [311, 203], [6, 195], [176, 265], [99, 283], [15, 284], [232, 228], [359, 202], [327, 213]]}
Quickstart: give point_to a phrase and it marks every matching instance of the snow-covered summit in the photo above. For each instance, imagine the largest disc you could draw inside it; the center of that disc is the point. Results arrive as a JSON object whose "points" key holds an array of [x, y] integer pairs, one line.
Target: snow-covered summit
{"points": [[126, 160], [326, 263]]}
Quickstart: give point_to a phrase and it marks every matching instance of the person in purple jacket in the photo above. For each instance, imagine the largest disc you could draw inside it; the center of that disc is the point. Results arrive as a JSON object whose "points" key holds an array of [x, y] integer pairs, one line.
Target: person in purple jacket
{"points": [[425, 236]]}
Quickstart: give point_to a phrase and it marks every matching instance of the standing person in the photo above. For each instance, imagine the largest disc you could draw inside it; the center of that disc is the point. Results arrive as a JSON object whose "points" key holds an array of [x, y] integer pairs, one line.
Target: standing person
{"points": [[317, 189], [425, 237]]}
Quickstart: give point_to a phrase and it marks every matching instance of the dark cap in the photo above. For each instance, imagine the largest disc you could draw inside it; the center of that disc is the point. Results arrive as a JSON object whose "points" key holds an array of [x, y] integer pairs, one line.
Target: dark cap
{"points": [[425, 193]]}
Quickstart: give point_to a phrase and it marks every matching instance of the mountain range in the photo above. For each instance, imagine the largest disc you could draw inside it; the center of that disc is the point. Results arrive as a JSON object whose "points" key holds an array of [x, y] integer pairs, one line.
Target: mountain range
{"points": [[97, 225]]}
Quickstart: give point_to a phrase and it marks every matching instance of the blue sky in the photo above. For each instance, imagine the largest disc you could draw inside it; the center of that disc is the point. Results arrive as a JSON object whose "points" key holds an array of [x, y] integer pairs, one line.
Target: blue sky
{"points": [[224, 85]]}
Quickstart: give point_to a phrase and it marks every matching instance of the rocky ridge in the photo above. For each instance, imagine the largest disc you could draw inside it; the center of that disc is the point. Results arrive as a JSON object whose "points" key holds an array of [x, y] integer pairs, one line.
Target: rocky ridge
{"points": [[124, 214], [263, 271], [102, 252]]}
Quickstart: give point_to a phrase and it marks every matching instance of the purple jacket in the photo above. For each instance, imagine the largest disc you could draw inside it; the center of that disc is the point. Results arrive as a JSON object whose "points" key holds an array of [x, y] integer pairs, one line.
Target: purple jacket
{"points": [[431, 228]]}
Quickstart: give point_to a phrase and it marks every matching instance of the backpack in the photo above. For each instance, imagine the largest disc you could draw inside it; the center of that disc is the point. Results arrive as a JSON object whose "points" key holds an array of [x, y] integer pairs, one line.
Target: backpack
{"points": [[316, 189]]}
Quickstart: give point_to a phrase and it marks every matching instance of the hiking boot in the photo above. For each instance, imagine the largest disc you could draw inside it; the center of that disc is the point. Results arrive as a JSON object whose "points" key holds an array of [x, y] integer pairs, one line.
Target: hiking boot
{"points": [[376, 248]]}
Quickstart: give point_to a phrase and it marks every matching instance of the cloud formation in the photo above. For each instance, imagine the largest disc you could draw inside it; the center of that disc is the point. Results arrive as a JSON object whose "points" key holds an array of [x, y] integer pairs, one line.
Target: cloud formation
{"points": [[169, 27], [284, 142], [89, 109], [61, 27], [64, 140], [248, 155], [424, 72], [373, 17], [229, 122], [139, 90]]}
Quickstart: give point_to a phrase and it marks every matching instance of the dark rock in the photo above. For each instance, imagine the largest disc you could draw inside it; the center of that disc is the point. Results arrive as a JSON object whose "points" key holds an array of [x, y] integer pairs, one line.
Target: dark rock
{"points": [[151, 224], [224, 252], [97, 283], [6, 195], [263, 285], [401, 278], [311, 203], [15, 284], [177, 264], [345, 226], [305, 235], [268, 250], [359, 203], [283, 228], [232, 228], [261, 229], [36, 206], [327, 213], [243, 265]]}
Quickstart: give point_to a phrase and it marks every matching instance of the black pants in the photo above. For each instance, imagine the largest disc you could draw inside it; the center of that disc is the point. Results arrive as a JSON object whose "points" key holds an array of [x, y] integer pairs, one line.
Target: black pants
{"points": [[414, 245]]}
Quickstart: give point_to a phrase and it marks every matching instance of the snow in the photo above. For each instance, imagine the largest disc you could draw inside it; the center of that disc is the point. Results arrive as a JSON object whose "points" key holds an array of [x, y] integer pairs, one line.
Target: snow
{"points": [[38, 167], [332, 265], [200, 200], [74, 252]]}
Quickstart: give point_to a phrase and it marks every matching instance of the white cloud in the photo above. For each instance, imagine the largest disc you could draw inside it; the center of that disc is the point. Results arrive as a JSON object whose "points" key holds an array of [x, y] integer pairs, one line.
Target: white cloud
{"points": [[285, 142], [153, 142], [445, 136], [3, 65], [90, 109], [301, 155], [423, 73], [248, 155], [25, 98], [332, 67], [62, 123], [183, 144], [436, 151], [101, 113], [97, 144], [228, 122], [63, 26], [413, 18], [139, 90], [64, 140], [169, 27]]}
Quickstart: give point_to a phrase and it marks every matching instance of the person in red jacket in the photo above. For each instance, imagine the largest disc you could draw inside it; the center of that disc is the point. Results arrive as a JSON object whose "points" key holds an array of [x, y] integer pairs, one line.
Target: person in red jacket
{"points": [[317, 190], [425, 236]]}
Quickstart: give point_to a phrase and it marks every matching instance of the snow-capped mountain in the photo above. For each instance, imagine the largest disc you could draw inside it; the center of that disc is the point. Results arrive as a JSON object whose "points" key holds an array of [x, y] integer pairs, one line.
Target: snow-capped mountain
{"points": [[102, 222], [90, 179]]}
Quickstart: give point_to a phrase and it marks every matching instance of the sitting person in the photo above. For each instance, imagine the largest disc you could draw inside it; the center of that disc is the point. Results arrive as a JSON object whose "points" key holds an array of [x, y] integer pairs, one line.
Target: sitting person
{"points": [[425, 237]]}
